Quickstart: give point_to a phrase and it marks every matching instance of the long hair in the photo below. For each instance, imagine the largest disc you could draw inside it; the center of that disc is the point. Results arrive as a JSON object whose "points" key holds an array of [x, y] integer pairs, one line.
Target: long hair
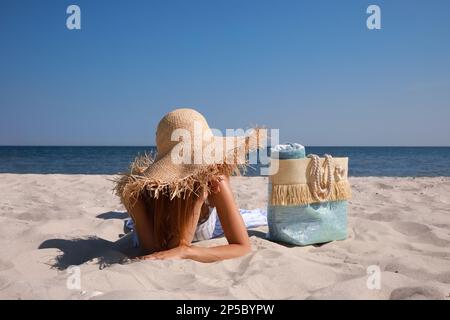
{"points": [[172, 218]]}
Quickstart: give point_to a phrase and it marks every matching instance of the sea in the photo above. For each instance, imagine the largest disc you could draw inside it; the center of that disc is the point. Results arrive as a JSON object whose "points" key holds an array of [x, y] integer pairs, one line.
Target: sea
{"points": [[363, 161]]}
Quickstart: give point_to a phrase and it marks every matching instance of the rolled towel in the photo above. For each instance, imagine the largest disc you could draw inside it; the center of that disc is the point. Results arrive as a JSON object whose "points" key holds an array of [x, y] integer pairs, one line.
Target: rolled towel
{"points": [[288, 151]]}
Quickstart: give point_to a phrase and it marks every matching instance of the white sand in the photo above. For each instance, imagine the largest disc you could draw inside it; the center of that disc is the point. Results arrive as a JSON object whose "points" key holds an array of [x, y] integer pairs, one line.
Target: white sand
{"points": [[401, 225]]}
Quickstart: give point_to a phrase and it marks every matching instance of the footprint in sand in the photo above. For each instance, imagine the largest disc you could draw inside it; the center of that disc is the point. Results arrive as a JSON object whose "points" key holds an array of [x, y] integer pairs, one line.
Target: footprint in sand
{"points": [[416, 293], [444, 277], [5, 265], [382, 216], [409, 228], [384, 186], [3, 283]]}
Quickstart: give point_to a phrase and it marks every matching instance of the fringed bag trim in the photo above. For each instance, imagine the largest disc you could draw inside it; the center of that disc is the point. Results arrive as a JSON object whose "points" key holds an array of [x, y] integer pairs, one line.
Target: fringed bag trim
{"points": [[300, 194]]}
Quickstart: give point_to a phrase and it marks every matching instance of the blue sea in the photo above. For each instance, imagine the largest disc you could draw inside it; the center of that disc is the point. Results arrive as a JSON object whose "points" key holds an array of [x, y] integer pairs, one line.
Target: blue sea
{"points": [[364, 161]]}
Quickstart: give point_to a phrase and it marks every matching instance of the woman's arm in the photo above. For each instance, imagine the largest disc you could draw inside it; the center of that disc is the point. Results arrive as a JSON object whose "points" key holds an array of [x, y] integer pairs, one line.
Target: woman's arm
{"points": [[232, 225]]}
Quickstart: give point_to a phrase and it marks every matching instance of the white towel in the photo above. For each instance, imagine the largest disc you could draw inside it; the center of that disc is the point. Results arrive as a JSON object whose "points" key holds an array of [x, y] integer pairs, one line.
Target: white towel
{"points": [[287, 147], [252, 219]]}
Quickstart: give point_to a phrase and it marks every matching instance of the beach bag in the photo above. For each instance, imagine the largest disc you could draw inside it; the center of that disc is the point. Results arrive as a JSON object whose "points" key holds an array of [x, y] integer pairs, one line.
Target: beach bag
{"points": [[307, 197]]}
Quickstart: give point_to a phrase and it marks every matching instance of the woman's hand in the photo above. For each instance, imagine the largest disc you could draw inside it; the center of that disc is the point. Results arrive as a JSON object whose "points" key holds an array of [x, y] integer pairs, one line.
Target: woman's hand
{"points": [[214, 187], [215, 184], [179, 252]]}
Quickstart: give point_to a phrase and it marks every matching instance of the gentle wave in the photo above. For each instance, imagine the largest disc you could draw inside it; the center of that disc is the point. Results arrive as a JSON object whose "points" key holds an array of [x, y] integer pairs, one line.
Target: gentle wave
{"points": [[364, 161]]}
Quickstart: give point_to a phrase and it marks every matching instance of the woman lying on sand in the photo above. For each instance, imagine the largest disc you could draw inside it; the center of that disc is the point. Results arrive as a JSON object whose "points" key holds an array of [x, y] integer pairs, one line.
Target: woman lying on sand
{"points": [[170, 196]]}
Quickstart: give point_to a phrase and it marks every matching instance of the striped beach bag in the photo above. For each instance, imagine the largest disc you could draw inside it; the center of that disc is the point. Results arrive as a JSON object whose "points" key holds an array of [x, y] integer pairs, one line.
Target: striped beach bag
{"points": [[307, 197]]}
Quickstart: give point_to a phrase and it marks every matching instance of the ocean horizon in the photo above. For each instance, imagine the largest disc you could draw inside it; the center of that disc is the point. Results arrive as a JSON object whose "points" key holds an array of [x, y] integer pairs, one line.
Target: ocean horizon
{"points": [[420, 161]]}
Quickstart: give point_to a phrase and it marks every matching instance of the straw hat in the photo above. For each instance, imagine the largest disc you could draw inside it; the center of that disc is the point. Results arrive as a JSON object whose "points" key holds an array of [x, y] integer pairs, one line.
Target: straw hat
{"points": [[188, 156]]}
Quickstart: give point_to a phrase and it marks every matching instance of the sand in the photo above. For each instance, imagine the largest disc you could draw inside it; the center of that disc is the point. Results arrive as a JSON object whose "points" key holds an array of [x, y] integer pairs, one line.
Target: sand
{"points": [[399, 226]]}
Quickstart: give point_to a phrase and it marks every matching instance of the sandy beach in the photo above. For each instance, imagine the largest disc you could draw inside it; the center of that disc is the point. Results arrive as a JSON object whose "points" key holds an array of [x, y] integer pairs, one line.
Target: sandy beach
{"points": [[51, 222]]}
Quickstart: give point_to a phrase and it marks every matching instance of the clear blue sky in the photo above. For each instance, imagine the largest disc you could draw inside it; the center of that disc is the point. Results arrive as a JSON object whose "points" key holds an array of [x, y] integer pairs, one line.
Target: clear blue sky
{"points": [[310, 68]]}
